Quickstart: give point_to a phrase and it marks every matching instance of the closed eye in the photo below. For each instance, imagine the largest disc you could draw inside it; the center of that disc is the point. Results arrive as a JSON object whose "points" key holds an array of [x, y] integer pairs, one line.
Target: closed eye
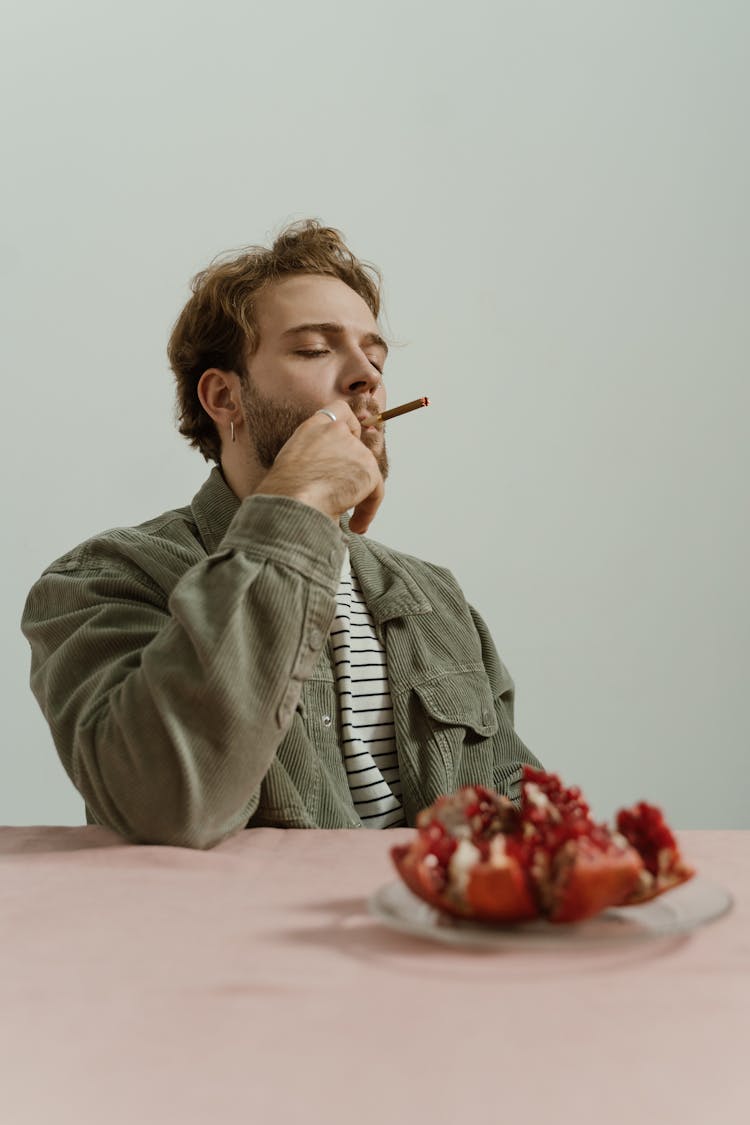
{"points": [[311, 353]]}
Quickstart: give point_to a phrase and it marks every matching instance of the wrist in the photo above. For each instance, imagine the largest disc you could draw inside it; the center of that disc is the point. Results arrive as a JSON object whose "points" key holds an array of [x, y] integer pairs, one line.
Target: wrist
{"points": [[271, 486]]}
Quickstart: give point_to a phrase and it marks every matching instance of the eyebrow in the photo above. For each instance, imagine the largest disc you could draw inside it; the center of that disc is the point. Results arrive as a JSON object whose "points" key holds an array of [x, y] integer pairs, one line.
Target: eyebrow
{"points": [[334, 329]]}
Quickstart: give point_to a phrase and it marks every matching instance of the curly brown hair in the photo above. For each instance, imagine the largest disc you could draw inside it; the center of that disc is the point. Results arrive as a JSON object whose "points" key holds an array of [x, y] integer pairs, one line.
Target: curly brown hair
{"points": [[218, 327]]}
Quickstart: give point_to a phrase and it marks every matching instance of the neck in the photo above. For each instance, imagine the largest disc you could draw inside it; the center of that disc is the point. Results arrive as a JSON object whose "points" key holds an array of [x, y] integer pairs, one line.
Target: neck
{"points": [[241, 471]]}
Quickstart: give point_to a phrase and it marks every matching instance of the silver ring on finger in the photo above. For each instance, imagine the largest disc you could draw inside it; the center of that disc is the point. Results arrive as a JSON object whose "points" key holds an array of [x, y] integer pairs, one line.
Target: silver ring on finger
{"points": [[330, 414]]}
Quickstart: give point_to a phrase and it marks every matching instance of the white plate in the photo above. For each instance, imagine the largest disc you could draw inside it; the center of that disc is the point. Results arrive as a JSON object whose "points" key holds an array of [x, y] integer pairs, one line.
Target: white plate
{"points": [[688, 906]]}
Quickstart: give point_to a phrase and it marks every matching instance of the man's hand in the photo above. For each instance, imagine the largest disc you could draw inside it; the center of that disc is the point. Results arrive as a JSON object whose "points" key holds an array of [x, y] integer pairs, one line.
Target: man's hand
{"points": [[326, 465]]}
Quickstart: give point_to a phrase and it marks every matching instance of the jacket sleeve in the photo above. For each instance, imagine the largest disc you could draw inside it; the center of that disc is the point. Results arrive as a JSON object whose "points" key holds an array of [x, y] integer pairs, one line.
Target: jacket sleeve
{"points": [[167, 716], [510, 753]]}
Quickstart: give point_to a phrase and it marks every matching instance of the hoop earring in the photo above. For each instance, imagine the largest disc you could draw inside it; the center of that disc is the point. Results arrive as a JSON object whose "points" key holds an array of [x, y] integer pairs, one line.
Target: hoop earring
{"points": [[231, 430]]}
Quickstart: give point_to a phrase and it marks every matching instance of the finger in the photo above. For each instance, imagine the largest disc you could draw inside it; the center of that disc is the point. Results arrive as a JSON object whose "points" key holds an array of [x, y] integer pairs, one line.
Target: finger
{"points": [[343, 412], [365, 511]]}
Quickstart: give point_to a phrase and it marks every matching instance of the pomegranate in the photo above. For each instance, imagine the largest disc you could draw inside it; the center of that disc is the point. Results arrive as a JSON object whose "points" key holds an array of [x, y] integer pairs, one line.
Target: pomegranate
{"points": [[645, 829], [477, 856]]}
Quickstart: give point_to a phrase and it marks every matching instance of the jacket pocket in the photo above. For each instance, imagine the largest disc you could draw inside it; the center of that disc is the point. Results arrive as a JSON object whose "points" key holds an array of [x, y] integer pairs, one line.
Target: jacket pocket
{"points": [[453, 719], [461, 699]]}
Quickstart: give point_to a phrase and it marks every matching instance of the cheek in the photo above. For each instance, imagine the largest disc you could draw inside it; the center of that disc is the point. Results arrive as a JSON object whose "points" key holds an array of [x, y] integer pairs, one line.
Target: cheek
{"points": [[302, 393]]}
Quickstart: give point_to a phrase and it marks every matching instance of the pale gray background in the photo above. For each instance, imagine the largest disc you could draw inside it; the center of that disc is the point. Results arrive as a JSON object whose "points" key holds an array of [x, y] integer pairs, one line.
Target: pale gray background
{"points": [[557, 194]]}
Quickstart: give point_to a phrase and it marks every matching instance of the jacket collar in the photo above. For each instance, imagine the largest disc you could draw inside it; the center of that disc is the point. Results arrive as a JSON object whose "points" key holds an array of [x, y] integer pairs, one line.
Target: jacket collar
{"points": [[214, 507], [389, 587]]}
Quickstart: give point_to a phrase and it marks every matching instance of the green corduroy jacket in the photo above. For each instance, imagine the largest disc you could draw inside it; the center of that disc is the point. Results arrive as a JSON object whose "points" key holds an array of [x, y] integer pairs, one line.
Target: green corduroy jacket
{"points": [[186, 672]]}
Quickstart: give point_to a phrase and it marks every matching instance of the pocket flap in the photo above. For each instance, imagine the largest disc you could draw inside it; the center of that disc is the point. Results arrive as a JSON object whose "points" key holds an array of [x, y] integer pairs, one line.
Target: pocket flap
{"points": [[460, 698]]}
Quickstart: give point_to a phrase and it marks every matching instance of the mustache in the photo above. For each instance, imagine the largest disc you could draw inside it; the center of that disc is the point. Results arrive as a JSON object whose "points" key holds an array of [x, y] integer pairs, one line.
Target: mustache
{"points": [[362, 404]]}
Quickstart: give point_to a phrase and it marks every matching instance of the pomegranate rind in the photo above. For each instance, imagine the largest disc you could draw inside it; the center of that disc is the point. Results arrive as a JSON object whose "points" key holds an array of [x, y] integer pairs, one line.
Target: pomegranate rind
{"points": [[649, 888], [420, 879], [500, 894], [492, 894], [590, 879]]}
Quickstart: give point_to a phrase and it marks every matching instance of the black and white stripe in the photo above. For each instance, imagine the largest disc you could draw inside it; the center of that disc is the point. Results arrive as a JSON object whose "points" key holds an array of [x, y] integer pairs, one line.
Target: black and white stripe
{"points": [[368, 738]]}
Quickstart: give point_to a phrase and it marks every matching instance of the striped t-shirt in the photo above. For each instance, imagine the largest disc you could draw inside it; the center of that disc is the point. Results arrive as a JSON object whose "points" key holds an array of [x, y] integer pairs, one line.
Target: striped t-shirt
{"points": [[367, 732]]}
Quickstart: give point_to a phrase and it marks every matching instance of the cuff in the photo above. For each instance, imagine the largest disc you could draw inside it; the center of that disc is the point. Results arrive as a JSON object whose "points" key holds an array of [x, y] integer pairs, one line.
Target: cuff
{"points": [[291, 533]]}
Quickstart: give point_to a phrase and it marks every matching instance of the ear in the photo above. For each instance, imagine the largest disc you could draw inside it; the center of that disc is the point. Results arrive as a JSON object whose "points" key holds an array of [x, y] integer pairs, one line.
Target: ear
{"points": [[219, 395]]}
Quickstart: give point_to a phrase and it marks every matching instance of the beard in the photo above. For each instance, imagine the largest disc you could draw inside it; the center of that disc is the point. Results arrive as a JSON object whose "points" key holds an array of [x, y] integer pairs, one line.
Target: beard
{"points": [[270, 425]]}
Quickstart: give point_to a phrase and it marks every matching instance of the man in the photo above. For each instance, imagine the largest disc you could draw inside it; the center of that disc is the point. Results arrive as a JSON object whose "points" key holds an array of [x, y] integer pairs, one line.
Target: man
{"points": [[253, 659]]}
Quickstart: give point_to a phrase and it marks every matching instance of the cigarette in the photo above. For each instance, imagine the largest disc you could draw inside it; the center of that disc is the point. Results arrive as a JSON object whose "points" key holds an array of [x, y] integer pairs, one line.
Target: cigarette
{"points": [[377, 419]]}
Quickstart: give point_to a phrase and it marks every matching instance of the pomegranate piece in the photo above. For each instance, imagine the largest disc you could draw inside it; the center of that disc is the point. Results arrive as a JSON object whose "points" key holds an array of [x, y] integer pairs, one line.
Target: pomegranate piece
{"points": [[497, 889], [578, 867], [477, 856], [588, 877], [459, 862], [663, 866]]}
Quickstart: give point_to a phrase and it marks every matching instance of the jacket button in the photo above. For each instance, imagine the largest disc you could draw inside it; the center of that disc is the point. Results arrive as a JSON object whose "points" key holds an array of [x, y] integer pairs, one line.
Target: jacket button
{"points": [[326, 720], [486, 716], [314, 638]]}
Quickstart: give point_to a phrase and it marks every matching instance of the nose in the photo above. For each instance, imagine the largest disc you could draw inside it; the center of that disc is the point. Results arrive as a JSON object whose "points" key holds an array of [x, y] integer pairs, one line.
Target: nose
{"points": [[359, 376]]}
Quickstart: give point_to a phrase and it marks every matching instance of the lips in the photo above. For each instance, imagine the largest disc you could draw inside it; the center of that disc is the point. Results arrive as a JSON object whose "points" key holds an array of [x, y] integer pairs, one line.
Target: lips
{"points": [[365, 408]]}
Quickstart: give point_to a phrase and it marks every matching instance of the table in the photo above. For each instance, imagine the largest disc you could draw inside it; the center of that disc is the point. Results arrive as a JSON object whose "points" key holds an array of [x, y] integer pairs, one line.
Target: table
{"points": [[154, 984]]}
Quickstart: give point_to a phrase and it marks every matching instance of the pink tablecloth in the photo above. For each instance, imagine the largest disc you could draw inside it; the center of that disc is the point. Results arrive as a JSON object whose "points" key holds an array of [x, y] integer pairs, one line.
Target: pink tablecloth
{"points": [[247, 983]]}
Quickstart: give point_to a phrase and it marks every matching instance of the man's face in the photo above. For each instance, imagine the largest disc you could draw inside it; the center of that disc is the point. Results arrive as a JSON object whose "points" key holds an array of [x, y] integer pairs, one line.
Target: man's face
{"points": [[296, 371]]}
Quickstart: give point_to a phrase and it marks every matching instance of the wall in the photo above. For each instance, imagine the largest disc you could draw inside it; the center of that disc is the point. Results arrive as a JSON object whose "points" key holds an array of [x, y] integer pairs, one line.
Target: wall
{"points": [[557, 197]]}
